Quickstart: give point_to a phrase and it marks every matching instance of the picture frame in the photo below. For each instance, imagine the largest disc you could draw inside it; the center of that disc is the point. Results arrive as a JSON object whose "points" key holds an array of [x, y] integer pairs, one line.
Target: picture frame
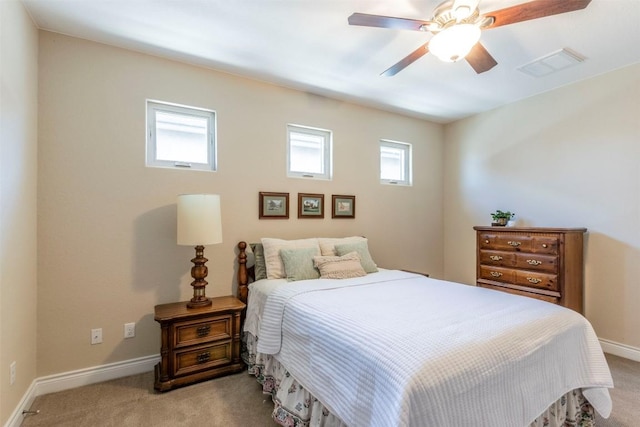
{"points": [[273, 205], [310, 205], [343, 206]]}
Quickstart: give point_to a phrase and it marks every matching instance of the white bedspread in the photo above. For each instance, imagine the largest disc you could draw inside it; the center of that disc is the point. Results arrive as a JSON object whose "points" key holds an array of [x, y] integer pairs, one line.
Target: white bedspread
{"points": [[397, 349]]}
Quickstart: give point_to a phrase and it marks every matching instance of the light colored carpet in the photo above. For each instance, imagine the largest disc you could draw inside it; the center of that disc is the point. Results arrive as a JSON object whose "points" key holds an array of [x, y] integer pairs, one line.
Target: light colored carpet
{"points": [[234, 401], [625, 394]]}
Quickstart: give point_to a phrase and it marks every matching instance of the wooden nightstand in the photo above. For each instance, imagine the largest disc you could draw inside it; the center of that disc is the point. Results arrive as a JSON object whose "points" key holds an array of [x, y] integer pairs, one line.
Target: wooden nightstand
{"points": [[198, 343]]}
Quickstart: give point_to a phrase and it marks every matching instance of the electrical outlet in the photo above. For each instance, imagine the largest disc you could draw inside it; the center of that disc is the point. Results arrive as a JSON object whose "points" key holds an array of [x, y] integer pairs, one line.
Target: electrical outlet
{"points": [[96, 336], [129, 330], [12, 373]]}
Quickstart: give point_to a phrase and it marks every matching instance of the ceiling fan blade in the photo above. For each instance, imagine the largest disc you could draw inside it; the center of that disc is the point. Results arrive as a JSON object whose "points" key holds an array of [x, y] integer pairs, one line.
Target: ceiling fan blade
{"points": [[408, 60], [366, 20], [533, 10], [480, 60]]}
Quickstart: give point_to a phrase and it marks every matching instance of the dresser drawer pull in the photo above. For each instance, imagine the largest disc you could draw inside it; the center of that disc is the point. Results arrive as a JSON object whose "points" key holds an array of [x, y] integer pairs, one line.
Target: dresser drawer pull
{"points": [[486, 241], [203, 331], [495, 258], [533, 262], [534, 280], [204, 357], [514, 244], [544, 245], [496, 274]]}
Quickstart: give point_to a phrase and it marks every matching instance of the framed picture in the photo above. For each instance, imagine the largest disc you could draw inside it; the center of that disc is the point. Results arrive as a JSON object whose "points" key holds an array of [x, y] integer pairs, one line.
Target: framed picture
{"points": [[310, 205], [343, 206], [273, 205]]}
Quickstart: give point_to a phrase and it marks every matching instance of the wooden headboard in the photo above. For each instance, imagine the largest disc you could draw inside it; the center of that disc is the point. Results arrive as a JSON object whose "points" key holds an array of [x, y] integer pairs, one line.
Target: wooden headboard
{"points": [[245, 274]]}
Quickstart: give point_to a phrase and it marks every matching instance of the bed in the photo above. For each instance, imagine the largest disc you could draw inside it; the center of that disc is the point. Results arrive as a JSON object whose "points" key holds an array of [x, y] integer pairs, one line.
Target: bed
{"points": [[376, 347]]}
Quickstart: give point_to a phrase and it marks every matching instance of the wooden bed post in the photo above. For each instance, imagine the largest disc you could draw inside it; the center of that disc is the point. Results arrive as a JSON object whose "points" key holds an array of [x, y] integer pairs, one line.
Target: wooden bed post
{"points": [[243, 276]]}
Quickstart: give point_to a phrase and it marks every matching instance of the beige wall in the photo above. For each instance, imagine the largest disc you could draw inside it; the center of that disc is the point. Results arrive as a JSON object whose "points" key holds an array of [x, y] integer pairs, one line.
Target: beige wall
{"points": [[107, 250], [18, 186], [567, 158]]}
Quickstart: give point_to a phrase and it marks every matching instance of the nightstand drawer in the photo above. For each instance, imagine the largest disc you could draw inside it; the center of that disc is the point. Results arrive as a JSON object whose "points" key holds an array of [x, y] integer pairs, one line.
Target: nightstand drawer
{"points": [[201, 331], [200, 358]]}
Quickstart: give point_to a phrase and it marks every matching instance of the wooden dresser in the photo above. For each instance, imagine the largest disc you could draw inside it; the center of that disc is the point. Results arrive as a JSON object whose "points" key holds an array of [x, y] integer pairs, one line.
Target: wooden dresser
{"points": [[543, 263], [198, 343]]}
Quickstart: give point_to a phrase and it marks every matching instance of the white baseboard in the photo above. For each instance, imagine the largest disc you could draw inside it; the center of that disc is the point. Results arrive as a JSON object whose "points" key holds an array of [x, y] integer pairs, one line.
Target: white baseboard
{"points": [[73, 379], [96, 374], [16, 418], [621, 350]]}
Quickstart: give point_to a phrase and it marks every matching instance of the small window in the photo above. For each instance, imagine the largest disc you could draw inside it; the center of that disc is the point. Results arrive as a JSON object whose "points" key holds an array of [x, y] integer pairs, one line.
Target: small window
{"points": [[308, 152], [180, 137], [395, 163]]}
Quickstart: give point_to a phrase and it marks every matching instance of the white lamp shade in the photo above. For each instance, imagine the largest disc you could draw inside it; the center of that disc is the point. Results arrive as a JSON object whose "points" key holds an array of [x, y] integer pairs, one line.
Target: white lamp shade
{"points": [[454, 43], [199, 219]]}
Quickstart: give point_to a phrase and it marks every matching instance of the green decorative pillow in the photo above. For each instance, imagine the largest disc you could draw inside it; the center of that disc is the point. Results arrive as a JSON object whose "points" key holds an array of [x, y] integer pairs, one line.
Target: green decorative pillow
{"points": [[298, 263], [362, 248], [339, 267], [260, 266]]}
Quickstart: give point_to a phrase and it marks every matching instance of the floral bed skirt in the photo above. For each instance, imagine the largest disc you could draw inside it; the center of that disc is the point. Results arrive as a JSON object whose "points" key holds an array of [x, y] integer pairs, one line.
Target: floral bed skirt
{"points": [[296, 407]]}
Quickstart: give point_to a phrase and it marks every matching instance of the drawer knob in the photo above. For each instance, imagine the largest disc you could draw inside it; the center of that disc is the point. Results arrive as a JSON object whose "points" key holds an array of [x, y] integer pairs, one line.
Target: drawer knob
{"points": [[486, 241], [495, 257], [544, 245], [496, 274], [533, 262], [203, 331], [534, 280], [513, 243], [204, 357]]}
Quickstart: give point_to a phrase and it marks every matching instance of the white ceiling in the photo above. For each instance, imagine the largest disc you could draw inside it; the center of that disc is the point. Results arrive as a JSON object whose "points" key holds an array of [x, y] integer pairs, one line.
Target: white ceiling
{"points": [[308, 45]]}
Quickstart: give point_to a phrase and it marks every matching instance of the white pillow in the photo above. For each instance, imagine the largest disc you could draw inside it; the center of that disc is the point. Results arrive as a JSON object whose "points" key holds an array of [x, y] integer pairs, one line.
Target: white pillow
{"points": [[328, 245], [275, 267]]}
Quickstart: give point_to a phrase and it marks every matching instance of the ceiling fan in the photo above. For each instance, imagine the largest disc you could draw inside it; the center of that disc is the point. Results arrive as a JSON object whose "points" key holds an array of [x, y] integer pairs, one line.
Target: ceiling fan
{"points": [[456, 25]]}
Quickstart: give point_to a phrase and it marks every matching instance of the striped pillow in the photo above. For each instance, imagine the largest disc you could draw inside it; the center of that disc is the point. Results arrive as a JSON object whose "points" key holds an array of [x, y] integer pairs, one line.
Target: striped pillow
{"points": [[339, 267]]}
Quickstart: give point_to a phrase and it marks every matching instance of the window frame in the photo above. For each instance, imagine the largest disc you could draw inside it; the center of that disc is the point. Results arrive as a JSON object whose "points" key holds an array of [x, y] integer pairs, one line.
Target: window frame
{"points": [[407, 148], [327, 152], [210, 115]]}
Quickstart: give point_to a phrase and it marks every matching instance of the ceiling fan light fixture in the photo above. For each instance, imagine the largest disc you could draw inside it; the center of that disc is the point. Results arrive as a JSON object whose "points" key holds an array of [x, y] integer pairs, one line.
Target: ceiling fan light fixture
{"points": [[462, 12], [454, 43]]}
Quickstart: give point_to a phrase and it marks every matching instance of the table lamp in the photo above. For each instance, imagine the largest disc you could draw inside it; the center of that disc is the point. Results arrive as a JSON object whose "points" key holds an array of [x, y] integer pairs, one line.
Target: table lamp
{"points": [[199, 224]]}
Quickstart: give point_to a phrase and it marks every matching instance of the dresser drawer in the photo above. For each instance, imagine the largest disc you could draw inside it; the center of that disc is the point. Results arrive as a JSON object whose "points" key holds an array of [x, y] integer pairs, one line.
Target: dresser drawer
{"points": [[497, 274], [497, 258], [201, 331], [537, 262], [190, 360], [545, 245], [537, 280], [546, 298], [504, 242]]}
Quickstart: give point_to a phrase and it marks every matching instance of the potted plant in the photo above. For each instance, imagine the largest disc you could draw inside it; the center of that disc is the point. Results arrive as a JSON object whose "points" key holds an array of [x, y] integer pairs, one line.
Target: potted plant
{"points": [[501, 218]]}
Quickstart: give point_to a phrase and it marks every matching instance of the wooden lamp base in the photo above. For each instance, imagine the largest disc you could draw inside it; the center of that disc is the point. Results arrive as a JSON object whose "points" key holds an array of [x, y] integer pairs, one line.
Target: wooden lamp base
{"points": [[199, 271]]}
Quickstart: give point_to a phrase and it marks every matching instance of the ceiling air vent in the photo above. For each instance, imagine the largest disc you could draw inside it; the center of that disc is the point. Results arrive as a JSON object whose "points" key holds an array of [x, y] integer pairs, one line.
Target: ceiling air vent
{"points": [[555, 61]]}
